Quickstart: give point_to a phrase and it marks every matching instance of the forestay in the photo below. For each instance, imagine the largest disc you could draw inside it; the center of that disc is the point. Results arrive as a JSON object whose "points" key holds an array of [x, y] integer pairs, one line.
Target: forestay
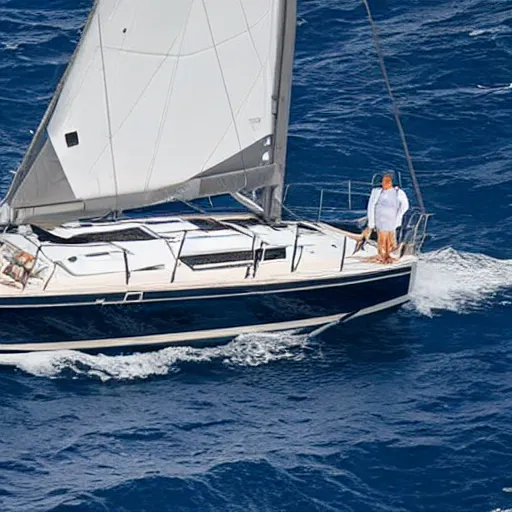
{"points": [[163, 100]]}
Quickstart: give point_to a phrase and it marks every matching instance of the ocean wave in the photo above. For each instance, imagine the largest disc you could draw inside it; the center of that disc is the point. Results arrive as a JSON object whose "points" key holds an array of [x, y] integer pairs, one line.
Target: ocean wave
{"points": [[491, 30], [237, 485], [458, 281], [499, 87]]}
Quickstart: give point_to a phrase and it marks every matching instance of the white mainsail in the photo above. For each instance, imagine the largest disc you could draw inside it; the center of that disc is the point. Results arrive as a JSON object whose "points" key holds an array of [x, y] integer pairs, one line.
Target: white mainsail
{"points": [[163, 100]]}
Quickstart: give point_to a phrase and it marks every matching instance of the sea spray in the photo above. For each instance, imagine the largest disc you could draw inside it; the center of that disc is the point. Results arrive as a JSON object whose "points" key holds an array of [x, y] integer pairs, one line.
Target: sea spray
{"points": [[245, 350], [450, 280]]}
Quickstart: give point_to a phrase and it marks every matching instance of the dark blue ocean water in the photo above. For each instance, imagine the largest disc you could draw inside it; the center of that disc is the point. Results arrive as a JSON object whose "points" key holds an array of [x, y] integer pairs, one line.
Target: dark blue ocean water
{"points": [[412, 412]]}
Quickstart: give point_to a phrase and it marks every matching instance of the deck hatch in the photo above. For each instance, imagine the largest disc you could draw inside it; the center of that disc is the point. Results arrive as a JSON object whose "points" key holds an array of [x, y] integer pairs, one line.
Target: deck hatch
{"points": [[119, 235], [207, 224], [233, 257]]}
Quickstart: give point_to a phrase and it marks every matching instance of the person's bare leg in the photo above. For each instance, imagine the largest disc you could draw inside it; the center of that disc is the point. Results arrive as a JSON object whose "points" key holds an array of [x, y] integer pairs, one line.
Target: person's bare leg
{"points": [[397, 248], [384, 247], [381, 247], [378, 257], [394, 244], [389, 247]]}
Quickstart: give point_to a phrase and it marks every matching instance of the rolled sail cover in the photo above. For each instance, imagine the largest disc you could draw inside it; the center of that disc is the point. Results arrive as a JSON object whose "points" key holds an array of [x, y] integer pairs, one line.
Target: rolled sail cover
{"points": [[163, 100]]}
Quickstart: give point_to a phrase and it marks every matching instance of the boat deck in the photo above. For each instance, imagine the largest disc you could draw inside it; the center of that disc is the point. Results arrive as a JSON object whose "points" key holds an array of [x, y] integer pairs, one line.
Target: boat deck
{"points": [[177, 253]]}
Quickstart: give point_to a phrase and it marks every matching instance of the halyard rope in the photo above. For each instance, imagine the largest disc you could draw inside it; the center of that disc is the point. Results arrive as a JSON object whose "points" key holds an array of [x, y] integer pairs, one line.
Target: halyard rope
{"points": [[396, 110]]}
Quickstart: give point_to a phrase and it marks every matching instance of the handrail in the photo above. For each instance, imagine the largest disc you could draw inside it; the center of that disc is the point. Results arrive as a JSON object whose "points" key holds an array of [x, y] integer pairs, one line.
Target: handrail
{"points": [[315, 212], [414, 233], [294, 254], [50, 276], [253, 249], [258, 256], [168, 244], [343, 253], [327, 183], [126, 266], [178, 256]]}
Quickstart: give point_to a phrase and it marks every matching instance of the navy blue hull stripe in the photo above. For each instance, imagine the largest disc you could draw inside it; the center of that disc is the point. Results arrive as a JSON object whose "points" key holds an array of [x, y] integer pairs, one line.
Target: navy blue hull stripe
{"points": [[196, 294]]}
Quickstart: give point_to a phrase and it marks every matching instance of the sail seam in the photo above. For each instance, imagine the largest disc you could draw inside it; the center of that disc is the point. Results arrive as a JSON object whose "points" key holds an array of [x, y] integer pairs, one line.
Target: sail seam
{"points": [[170, 91], [190, 54], [249, 29], [231, 123], [225, 85], [150, 81], [107, 105], [69, 104], [179, 57]]}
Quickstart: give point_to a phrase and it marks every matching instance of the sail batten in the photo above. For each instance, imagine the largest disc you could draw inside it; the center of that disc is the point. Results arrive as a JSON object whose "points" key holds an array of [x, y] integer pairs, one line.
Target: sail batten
{"points": [[160, 98]]}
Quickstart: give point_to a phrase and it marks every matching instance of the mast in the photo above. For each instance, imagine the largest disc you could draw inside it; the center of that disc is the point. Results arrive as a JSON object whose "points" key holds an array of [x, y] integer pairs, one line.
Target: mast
{"points": [[272, 195]]}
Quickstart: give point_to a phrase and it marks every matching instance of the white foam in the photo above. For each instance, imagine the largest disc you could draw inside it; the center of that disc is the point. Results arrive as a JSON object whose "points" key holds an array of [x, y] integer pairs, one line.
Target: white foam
{"points": [[493, 88], [458, 281], [245, 350], [11, 46], [491, 30]]}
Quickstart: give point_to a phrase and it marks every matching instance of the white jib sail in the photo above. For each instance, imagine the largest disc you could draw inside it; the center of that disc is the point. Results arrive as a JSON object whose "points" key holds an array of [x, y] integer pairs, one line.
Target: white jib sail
{"points": [[163, 100]]}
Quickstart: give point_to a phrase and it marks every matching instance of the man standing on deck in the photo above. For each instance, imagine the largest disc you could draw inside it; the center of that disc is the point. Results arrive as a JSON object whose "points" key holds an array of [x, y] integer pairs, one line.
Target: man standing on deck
{"points": [[386, 208]]}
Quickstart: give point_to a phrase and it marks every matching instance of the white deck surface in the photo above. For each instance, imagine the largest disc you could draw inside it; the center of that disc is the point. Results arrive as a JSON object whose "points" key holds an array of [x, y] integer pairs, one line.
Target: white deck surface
{"points": [[101, 266]]}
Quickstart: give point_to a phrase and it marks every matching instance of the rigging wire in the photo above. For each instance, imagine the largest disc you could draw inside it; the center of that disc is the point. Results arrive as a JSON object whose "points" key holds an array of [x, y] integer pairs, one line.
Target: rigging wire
{"points": [[396, 110]]}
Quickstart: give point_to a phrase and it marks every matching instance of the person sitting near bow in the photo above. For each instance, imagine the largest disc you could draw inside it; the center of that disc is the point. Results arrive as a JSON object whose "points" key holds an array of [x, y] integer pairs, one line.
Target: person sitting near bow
{"points": [[386, 209]]}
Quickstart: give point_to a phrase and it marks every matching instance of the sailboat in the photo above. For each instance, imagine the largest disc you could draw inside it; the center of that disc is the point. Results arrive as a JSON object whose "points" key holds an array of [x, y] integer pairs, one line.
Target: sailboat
{"points": [[169, 102]]}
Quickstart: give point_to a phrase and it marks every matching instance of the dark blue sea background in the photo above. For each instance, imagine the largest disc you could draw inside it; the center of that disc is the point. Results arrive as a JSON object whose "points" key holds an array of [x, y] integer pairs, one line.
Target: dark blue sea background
{"points": [[409, 412]]}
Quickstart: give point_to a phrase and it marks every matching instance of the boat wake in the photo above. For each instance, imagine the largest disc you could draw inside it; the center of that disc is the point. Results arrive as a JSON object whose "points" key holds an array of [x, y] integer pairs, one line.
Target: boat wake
{"points": [[459, 281], [245, 350]]}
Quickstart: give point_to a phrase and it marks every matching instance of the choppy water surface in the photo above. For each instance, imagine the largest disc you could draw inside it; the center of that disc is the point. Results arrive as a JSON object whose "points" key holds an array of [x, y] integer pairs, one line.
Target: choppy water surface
{"points": [[404, 413]]}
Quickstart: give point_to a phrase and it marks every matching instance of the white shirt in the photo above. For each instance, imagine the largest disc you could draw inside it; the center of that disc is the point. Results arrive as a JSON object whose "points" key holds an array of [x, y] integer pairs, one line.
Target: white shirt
{"points": [[403, 206]]}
